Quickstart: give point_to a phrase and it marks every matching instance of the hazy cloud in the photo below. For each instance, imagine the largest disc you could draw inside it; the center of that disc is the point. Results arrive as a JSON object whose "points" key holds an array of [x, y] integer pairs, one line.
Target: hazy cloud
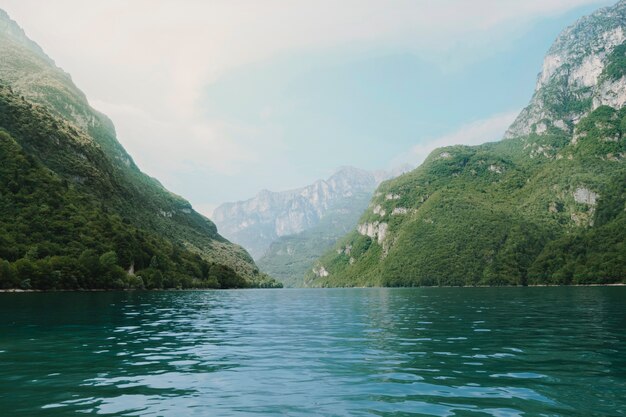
{"points": [[166, 147], [146, 62], [166, 50]]}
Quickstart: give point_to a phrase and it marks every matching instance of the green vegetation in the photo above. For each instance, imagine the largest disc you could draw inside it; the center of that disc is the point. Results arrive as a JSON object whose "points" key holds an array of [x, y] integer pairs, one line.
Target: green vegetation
{"points": [[533, 210], [75, 210], [67, 231]]}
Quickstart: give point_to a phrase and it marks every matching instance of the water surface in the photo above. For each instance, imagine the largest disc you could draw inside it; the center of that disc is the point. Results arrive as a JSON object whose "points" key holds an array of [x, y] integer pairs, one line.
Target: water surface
{"points": [[354, 352]]}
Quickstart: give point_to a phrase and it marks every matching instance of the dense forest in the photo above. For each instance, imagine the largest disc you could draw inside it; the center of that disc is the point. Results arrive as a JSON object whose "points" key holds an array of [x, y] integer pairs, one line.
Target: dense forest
{"points": [[524, 211], [65, 232]]}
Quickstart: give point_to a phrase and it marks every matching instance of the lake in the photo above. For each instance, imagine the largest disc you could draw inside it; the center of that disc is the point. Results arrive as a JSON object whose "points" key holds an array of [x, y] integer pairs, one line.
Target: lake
{"points": [[336, 352]]}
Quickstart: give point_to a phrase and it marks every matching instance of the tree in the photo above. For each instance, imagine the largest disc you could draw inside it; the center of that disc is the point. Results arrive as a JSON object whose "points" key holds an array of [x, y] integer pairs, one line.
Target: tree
{"points": [[7, 275], [90, 263], [152, 278], [26, 271], [226, 277], [116, 278], [108, 260]]}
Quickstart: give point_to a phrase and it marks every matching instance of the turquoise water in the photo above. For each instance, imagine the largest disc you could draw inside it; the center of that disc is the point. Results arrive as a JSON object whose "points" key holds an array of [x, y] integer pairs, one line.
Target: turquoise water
{"points": [[354, 352]]}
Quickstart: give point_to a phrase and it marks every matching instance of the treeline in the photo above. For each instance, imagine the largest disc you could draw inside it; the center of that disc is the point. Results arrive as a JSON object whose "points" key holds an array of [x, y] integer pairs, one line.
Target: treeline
{"points": [[93, 271]]}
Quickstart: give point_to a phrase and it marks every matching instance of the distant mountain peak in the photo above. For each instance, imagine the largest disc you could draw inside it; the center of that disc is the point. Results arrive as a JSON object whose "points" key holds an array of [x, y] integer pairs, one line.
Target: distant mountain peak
{"points": [[255, 223]]}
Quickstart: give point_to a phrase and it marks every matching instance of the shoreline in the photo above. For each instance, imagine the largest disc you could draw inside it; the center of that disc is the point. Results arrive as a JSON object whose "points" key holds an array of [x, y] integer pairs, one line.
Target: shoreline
{"points": [[18, 290]]}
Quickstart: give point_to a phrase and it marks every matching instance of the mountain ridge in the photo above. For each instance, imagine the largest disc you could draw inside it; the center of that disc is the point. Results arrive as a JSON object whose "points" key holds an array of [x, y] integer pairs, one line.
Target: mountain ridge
{"points": [[257, 222], [11, 28], [546, 205]]}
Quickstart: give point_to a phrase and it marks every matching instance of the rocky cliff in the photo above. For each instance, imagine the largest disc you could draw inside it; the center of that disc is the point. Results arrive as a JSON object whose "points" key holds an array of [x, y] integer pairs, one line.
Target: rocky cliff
{"points": [[575, 79]]}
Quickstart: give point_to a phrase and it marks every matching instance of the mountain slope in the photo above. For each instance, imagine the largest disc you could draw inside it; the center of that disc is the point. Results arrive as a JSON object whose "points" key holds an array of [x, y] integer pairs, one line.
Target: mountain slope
{"points": [[547, 205], [288, 231], [72, 194]]}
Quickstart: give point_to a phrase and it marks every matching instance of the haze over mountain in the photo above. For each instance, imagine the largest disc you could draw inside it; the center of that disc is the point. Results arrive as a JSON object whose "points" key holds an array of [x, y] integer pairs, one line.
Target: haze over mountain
{"points": [[76, 211], [289, 258], [547, 205], [287, 231]]}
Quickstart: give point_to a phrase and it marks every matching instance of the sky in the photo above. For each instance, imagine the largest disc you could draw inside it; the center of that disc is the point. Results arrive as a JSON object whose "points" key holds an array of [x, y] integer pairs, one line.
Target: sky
{"points": [[220, 99]]}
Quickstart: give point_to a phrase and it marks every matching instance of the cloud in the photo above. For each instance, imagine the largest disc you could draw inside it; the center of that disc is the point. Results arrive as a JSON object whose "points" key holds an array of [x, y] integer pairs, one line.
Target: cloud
{"points": [[206, 209], [166, 148], [167, 50], [147, 63], [475, 133]]}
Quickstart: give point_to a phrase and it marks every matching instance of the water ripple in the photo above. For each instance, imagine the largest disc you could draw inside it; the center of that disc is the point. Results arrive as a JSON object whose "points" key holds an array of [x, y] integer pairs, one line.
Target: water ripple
{"points": [[376, 352]]}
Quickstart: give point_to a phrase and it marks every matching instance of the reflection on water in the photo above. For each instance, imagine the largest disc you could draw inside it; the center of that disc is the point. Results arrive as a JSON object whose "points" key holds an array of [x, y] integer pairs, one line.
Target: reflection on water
{"points": [[353, 352]]}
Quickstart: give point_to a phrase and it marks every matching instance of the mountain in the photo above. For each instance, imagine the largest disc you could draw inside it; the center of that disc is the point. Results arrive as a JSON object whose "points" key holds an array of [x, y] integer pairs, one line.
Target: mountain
{"points": [[546, 205], [75, 210], [290, 257], [259, 221], [287, 231]]}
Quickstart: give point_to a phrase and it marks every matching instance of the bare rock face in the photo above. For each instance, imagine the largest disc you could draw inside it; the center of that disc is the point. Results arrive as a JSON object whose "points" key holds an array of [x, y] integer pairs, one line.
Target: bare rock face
{"points": [[399, 211], [320, 271], [375, 230], [611, 93], [573, 80], [584, 195]]}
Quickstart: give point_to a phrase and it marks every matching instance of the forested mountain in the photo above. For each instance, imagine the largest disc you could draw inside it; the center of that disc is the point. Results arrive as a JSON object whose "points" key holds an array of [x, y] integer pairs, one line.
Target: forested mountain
{"points": [[546, 205], [287, 231], [75, 210]]}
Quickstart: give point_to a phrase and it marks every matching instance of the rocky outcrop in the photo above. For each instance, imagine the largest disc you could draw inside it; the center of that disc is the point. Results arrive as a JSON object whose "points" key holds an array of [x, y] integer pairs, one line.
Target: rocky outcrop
{"points": [[584, 195], [375, 230], [320, 271], [399, 211]]}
